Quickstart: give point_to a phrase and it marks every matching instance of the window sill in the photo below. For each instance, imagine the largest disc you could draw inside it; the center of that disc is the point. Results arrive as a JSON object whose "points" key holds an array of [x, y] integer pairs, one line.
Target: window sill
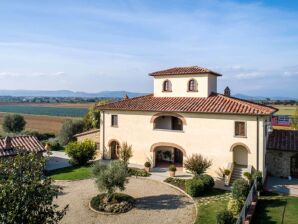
{"points": [[114, 126], [167, 91], [167, 130], [239, 136], [192, 91]]}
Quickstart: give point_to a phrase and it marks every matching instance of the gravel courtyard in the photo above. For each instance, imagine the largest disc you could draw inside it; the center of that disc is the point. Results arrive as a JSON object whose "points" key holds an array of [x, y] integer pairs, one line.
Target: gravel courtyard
{"points": [[156, 203]]}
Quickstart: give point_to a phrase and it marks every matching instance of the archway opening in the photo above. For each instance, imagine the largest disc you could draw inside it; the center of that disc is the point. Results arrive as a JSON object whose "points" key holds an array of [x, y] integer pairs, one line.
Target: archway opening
{"points": [[168, 123], [240, 155], [167, 155], [114, 149]]}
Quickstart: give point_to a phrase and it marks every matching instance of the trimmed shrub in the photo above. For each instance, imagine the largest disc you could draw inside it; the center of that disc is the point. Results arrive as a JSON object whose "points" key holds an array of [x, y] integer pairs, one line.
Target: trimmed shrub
{"points": [[197, 164], [147, 164], [81, 152], [240, 189], [235, 206], [248, 176], [172, 168], [137, 172], [194, 187], [225, 217], [207, 181]]}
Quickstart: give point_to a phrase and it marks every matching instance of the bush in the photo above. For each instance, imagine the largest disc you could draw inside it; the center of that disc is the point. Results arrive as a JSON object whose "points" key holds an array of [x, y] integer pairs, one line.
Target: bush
{"points": [[247, 175], [235, 206], [197, 164], [54, 145], [81, 152], [125, 152], [194, 187], [172, 168], [111, 177], [227, 172], [137, 172], [13, 123], [207, 181], [40, 136], [147, 164], [240, 189], [258, 177], [120, 203], [225, 217], [69, 129]]}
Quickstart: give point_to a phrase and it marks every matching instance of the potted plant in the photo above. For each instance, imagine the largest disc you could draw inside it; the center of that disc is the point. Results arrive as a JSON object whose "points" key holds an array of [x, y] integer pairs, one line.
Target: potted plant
{"points": [[147, 166], [172, 170], [226, 174]]}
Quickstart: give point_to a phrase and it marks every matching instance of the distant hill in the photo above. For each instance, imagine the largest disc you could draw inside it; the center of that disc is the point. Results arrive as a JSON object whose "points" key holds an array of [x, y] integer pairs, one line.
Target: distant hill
{"points": [[246, 97], [67, 93]]}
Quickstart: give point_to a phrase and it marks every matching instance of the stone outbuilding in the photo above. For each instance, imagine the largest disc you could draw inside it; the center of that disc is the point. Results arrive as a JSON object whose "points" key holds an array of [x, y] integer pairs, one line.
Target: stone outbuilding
{"points": [[282, 153], [93, 135]]}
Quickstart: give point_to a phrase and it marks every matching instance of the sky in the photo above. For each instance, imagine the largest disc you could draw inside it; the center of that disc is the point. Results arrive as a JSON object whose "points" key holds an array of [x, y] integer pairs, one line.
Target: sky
{"points": [[94, 45]]}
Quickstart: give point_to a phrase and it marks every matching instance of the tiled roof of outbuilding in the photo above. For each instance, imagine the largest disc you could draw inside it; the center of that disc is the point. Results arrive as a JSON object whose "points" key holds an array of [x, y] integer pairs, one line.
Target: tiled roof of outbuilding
{"points": [[284, 140], [183, 71], [215, 103], [28, 143]]}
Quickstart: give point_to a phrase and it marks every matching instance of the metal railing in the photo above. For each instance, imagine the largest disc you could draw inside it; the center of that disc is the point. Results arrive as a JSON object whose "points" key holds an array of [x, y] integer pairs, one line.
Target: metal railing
{"points": [[252, 196]]}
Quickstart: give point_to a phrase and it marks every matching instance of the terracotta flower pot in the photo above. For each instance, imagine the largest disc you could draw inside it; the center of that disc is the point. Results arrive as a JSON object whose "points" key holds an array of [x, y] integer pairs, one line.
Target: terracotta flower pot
{"points": [[147, 169], [172, 173]]}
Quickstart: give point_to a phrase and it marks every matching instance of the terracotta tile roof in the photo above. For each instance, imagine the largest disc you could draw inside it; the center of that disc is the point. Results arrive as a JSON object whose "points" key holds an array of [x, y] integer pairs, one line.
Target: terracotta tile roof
{"points": [[183, 71], [284, 140], [10, 145], [92, 131], [215, 103]]}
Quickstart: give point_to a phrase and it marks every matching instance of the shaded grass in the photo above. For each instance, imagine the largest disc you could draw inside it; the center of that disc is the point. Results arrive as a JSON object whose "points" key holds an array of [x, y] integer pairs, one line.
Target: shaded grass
{"points": [[273, 208], [72, 173], [210, 204]]}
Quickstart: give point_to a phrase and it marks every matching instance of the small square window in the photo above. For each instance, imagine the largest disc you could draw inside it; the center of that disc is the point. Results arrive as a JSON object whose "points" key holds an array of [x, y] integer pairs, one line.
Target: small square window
{"points": [[114, 120], [240, 129]]}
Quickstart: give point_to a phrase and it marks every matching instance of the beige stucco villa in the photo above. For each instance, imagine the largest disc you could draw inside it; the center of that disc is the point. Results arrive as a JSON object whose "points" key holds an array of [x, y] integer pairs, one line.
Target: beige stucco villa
{"points": [[186, 115]]}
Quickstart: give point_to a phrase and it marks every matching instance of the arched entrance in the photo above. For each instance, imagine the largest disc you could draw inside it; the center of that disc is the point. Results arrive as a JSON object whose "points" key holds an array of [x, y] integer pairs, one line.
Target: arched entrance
{"points": [[114, 147], [294, 166], [165, 154], [240, 155]]}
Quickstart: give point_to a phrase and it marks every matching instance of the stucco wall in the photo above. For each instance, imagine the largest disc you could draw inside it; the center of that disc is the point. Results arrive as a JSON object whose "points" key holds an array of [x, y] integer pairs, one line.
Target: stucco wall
{"points": [[207, 83], [279, 163], [208, 134]]}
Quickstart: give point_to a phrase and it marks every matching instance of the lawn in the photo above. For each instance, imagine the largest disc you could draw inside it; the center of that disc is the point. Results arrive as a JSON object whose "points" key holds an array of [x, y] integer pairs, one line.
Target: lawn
{"points": [[72, 173], [273, 208], [210, 204]]}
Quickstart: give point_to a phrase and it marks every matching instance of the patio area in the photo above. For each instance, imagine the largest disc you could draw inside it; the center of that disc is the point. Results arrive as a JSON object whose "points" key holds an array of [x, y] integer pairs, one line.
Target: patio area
{"points": [[283, 186]]}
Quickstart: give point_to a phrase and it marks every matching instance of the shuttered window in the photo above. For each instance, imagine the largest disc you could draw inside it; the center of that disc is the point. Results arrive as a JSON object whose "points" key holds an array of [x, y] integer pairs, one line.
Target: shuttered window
{"points": [[240, 129], [114, 120]]}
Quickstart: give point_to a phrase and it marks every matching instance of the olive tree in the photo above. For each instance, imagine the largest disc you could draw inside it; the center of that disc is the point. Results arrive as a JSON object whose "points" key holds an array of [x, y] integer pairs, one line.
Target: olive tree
{"points": [[26, 195], [13, 123], [111, 177], [197, 164], [69, 129]]}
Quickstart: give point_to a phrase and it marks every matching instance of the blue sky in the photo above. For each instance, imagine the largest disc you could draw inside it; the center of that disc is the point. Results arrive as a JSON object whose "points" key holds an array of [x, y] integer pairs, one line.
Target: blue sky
{"points": [[112, 45]]}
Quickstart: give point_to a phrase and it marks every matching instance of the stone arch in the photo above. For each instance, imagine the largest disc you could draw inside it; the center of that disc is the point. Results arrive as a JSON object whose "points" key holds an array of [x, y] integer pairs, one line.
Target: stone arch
{"points": [[240, 154], [155, 145], [168, 114]]}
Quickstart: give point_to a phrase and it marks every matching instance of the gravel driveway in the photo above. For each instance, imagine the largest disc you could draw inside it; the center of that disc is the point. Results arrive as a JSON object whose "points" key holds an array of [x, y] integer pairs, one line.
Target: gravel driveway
{"points": [[157, 203]]}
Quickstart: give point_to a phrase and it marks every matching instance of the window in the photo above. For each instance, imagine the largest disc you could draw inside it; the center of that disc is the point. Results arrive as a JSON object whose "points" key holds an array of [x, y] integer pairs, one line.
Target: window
{"points": [[240, 129], [168, 123], [114, 120], [167, 86], [192, 85]]}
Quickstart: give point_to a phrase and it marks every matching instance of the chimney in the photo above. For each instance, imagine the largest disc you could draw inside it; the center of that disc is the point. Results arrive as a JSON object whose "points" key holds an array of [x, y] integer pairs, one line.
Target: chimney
{"points": [[227, 91], [7, 143], [126, 97]]}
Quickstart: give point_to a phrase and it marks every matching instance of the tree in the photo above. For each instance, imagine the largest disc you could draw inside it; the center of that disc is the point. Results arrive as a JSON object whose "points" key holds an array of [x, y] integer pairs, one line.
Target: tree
{"points": [[26, 195], [81, 152], [92, 118], [294, 120], [125, 152], [197, 164], [13, 123], [111, 177], [69, 129]]}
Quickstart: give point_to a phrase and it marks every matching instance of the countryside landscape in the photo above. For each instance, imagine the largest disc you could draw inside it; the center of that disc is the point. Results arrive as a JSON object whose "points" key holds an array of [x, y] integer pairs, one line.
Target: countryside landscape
{"points": [[148, 112]]}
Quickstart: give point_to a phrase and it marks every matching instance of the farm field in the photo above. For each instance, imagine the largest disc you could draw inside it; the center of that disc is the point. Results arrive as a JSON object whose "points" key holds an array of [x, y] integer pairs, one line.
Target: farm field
{"points": [[57, 105], [44, 110], [284, 109], [50, 124]]}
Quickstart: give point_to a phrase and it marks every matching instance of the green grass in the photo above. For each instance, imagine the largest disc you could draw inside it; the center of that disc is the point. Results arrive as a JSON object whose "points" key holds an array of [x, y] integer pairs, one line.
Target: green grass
{"points": [[273, 208], [285, 110], [210, 204], [72, 173]]}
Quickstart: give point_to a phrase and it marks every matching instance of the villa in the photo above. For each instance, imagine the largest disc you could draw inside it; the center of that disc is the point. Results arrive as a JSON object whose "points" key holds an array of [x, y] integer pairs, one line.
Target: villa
{"points": [[185, 115]]}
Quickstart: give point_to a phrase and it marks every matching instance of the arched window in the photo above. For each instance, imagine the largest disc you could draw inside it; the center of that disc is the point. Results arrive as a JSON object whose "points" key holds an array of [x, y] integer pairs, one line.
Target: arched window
{"points": [[167, 86], [168, 122], [192, 85]]}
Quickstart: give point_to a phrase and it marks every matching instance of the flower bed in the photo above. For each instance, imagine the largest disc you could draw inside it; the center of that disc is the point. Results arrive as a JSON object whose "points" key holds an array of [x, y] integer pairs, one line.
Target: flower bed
{"points": [[138, 172], [119, 203]]}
